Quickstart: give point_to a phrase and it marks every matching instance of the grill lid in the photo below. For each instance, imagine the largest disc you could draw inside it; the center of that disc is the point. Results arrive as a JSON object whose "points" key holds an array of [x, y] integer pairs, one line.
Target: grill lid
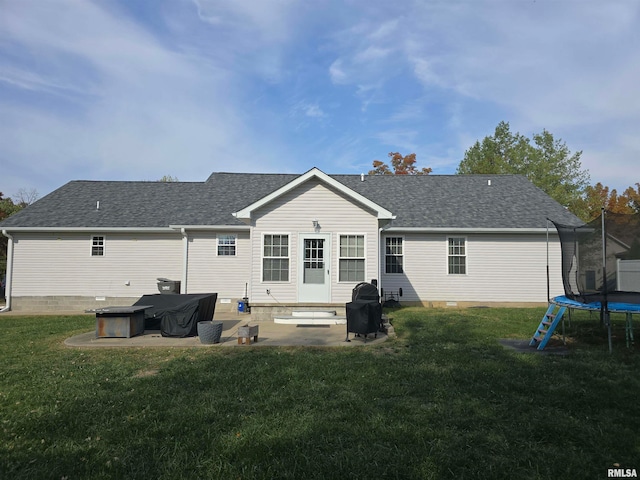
{"points": [[365, 291]]}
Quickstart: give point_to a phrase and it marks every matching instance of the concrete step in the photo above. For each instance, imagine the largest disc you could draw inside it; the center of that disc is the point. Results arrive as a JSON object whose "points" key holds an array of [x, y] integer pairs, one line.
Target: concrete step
{"points": [[313, 313], [310, 319]]}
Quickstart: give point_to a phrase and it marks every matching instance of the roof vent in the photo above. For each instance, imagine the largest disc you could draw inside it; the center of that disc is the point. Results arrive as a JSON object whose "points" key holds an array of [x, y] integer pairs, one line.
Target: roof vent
{"points": [[98, 205], [489, 182], [362, 177]]}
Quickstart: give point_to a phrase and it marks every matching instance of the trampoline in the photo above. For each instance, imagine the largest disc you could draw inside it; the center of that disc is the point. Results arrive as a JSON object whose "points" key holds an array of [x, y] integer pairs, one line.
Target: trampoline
{"points": [[600, 272], [613, 307]]}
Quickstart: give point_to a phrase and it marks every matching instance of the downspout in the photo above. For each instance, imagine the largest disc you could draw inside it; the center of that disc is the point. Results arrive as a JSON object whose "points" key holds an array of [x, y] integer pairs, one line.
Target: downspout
{"points": [[378, 259], [7, 290], [185, 260], [381, 255]]}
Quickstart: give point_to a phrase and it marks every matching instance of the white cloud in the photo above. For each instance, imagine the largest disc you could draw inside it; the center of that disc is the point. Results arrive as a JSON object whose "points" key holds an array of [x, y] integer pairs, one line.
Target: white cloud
{"points": [[372, 54], [403, 140], [270, 19], [336, 73], [104, 88], [423, 70], [314, 111], [129, 104]]}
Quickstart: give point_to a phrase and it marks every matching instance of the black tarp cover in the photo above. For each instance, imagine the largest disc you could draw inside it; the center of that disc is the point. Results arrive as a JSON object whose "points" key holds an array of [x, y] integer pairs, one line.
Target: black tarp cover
{"points": [[363, 317], [364, 312], [178, 315]]}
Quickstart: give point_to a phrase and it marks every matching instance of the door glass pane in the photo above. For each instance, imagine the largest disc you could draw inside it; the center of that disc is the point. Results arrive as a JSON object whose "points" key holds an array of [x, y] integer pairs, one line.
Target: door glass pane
{"points": [[314, 260]]}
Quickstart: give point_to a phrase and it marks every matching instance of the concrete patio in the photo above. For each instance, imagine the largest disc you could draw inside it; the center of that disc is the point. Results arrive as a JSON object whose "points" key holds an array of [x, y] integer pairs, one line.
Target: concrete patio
{"points": [[270, 334]]}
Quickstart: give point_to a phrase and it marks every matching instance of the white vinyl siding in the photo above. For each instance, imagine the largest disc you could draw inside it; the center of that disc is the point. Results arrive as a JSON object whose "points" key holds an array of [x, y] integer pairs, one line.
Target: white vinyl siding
{"points": [[59, 264], [294, 213], [225, 275], [500, 268]]}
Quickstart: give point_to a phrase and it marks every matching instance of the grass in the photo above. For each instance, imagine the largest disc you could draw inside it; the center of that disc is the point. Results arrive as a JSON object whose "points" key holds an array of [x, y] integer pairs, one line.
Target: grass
{"points": [[443, 400]]}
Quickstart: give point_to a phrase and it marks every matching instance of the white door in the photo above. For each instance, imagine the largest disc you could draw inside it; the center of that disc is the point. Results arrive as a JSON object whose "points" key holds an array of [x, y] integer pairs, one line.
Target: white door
{"points": [[314, 279]]}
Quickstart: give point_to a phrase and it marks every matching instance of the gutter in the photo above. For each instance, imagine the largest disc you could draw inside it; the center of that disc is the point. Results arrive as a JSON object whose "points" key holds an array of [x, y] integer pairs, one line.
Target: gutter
{"points": [[169, 229], [211, 227], [7, 290], [466, 230], [92, 229]]}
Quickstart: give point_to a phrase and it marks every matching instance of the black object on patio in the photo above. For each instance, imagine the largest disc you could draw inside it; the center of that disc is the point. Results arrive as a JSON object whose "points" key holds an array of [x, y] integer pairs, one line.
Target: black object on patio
{"points": [[364, 312], [178, 315]]}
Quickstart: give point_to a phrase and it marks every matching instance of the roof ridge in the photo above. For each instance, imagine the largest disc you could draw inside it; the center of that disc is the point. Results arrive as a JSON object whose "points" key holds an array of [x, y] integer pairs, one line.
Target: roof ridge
{"points": [[134, 181]]}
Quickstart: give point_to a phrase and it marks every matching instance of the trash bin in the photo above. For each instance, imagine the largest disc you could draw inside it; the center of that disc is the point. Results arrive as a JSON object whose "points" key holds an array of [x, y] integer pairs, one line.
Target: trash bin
{"points": [[168, 286]]}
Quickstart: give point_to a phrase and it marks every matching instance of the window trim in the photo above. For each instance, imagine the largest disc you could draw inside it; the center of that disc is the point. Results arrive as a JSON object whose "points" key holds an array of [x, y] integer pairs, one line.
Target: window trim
{"points": [[339, 257], [219, 236], [385, 255], [102, 245], [262, 256], [465, 256]]}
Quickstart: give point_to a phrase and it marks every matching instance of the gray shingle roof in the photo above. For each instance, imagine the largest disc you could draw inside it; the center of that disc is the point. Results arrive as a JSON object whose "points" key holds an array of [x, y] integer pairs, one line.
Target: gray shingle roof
{"points": [[456, 201]]}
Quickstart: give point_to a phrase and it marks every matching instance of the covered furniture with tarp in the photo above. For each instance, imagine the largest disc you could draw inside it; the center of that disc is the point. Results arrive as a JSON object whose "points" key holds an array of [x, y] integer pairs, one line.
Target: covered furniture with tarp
{"points": [[600, 271], [364, 312], [178, 315]]}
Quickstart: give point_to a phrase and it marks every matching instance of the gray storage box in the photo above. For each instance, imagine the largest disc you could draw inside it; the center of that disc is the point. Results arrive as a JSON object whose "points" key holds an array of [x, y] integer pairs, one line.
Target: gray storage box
{"points": [[168, 286]]}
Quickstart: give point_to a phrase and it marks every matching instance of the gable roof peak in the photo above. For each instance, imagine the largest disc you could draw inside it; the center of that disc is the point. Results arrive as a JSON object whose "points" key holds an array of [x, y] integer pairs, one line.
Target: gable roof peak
{"points": [[382, 213]]}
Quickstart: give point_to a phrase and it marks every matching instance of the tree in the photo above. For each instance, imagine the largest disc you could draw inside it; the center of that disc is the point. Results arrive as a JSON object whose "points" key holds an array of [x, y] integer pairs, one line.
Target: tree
{"points": [[633, 194], [547, 162], [169, 178], [401, 166], [26, 197], [7, 208], [598, 196]]}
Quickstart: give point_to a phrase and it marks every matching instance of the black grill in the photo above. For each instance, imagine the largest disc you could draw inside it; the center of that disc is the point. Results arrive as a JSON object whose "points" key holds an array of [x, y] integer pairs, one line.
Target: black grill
{"points": [[364, 312]]}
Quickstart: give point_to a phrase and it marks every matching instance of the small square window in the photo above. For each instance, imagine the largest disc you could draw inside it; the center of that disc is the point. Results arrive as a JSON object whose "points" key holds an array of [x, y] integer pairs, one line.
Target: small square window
{"points": [[226, 245]]}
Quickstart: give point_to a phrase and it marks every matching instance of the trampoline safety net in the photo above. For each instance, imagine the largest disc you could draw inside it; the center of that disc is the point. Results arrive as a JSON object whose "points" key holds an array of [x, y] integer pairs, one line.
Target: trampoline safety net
{"points": [[601, 259]]}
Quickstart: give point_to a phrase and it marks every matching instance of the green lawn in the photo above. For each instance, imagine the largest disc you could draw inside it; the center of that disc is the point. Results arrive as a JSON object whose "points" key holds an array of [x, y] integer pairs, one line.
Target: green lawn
{"points": [[442, 400]]}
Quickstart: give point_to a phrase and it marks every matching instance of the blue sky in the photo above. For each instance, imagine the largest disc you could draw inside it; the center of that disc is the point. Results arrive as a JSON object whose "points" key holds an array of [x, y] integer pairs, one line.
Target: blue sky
{"points": [[139, 89]]}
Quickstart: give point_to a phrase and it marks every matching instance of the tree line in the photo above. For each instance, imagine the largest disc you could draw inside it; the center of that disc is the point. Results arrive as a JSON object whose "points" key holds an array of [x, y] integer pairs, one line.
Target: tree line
{"points": [[8, 207], [546, 161]]}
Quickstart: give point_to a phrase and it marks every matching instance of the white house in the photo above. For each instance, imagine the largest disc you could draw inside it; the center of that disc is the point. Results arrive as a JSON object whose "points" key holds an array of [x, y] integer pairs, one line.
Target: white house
{"points": [[287, 241]]}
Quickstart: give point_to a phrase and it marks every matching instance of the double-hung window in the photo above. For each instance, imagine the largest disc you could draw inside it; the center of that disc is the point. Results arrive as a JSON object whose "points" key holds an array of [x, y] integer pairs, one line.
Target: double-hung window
{"points": [[351, 258], [393, 255], [275, 258], [457, 256], [226, 245], [97, 246]]}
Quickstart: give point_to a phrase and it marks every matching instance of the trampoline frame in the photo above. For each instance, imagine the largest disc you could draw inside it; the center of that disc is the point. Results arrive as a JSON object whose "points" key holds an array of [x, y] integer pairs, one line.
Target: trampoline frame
{"points": [[612, 307]]}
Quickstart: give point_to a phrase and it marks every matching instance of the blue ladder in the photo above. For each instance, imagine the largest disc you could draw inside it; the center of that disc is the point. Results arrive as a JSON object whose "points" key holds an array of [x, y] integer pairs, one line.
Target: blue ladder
{"points": [[547, 326]]}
